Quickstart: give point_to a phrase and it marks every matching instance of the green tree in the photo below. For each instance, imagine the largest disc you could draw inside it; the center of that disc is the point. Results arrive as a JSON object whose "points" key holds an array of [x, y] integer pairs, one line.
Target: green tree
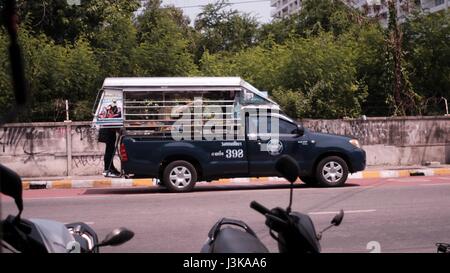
{"points": [[324, 69], [325, 15], [56, 73], [163, 48], [66, 23], [114, 42], [260, 65], [403, 98], [6, 92], [224, 29], [293, 102], [278, 30], [427, 51], [327, 61], [369, 46], [312, 77]]}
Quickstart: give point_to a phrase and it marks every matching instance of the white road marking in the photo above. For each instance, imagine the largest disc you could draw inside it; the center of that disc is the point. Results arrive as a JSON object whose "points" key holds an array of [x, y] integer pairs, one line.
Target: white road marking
{"points": [[444, 178], [345, 212], [410, 180], [435, 184], [331, 189]]}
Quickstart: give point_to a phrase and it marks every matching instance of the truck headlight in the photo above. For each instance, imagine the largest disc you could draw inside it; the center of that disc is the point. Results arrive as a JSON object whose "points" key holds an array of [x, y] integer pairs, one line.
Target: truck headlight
{"points": [[355, 143]]}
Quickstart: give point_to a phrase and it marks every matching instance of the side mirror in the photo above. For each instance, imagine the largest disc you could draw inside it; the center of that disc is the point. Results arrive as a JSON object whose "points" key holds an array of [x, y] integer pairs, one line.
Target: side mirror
{"points": [[288, 168], [117, 237], [300, 130], [337, 219], [11, 185]]}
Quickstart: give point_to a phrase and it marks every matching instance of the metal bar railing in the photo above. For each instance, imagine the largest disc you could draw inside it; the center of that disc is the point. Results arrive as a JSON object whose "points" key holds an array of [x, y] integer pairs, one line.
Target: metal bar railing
{"points": [[179, 101], [172, 106]]}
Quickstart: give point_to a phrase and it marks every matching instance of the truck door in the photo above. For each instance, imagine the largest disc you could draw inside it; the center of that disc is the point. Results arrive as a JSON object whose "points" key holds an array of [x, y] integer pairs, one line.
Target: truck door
{"points": [[265, 148], [226, 158]]}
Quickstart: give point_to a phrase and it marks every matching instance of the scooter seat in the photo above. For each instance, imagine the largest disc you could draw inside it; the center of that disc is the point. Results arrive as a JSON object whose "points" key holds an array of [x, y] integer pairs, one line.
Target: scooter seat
{"points": [[232, 240]]}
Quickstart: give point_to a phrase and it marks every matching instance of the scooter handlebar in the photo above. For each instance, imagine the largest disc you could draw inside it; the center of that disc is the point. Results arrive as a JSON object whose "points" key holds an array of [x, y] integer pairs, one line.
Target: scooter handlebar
{"points": [[259, 208]]}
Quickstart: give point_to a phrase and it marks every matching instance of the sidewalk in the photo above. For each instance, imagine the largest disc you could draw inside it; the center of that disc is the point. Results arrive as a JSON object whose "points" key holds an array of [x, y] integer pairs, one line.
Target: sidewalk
{"points": [[104, 182]]}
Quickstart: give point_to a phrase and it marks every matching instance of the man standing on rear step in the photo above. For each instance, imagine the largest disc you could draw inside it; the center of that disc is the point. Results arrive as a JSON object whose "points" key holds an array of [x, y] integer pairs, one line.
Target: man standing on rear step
{"points": [[109, 137]]}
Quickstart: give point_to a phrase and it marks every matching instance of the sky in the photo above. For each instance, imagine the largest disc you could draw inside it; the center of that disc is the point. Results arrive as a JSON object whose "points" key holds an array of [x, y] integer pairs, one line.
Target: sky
{"points": [[258, 8]]}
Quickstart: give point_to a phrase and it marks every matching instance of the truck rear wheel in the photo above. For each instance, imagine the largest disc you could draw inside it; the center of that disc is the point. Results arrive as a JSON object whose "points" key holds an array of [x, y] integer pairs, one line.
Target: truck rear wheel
{"points": [[179, 176], [332, 171]]}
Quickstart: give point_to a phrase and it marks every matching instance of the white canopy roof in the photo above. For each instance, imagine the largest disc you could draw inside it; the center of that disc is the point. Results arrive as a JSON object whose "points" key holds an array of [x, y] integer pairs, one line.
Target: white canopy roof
{"points": [[172, 81]]}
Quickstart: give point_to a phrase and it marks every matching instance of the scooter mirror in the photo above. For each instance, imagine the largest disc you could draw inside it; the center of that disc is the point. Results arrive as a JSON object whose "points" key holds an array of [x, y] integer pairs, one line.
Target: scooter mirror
{"points": [[288, 168], [337, 219], [117, 237], [11, 185]]}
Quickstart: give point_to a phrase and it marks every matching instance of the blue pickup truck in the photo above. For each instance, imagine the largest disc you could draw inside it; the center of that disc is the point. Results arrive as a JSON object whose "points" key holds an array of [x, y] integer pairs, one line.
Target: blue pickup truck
{"points": [[146, 151]]}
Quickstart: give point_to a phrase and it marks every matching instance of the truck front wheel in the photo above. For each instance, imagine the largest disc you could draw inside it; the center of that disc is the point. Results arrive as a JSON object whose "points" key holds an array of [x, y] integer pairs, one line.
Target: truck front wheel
{"points": [[332, 171], [179, 176]]}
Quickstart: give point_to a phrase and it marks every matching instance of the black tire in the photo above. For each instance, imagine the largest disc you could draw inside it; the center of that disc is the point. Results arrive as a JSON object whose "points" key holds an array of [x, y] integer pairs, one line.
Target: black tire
{"points": [[179, 176], [310, 181], [337, 172]]}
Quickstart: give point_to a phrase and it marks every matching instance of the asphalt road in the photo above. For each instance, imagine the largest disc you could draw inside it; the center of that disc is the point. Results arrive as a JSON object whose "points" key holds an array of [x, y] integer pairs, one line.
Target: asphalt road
{"points": [[398, 214]]}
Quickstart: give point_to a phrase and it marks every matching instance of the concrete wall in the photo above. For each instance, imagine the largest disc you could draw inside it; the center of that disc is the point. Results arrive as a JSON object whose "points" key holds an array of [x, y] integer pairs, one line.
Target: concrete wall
{"points": [[394, 141], [51, 149], [60, 149]]}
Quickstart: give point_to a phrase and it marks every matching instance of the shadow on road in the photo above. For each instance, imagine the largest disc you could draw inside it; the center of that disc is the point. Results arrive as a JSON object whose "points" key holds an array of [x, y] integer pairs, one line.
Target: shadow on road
{"points": [[201, 188]]}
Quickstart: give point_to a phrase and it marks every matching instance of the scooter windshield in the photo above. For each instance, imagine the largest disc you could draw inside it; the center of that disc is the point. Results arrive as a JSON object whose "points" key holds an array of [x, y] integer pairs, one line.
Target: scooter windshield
{"points": [[55, 235]]}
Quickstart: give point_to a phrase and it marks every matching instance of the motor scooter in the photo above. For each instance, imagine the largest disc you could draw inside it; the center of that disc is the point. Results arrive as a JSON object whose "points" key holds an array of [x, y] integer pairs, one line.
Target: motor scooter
{"points": [[294, 231], [46, 236]]}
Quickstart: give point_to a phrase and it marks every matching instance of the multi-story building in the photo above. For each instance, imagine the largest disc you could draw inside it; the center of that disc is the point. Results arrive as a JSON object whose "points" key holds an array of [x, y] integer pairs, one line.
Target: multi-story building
{"points": [[285, 8], [435, 5], [372, 8], [379, 8]]}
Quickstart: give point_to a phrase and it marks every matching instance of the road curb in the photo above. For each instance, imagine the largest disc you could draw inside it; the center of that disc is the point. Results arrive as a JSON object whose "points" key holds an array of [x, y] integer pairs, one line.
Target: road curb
{"points": [[123, 182]]}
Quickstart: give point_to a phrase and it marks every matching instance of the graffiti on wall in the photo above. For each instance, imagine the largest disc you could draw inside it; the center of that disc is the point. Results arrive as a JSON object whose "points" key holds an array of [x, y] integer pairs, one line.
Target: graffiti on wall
{"points": [[87, 161], [10, 137], [85, 133], [27, 141]]}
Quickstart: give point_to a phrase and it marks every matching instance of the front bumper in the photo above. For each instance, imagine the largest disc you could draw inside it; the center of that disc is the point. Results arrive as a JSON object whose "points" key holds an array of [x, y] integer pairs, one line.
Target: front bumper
{"points": [[357, 160]]}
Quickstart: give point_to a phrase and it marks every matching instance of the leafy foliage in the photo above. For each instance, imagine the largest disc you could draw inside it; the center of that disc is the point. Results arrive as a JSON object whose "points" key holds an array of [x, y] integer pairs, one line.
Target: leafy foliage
{"points": [[427, 49], [328, 61], [222, 29]]}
